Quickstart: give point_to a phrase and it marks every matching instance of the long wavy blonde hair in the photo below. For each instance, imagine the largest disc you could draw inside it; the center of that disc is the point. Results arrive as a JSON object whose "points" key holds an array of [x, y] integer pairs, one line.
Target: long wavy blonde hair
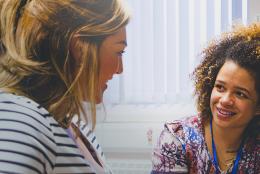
{"points": [[35, 57]]}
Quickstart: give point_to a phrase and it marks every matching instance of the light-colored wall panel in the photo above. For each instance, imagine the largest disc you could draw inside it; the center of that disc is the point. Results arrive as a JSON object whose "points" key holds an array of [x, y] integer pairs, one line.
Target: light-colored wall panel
{"points": [[253, 10]]}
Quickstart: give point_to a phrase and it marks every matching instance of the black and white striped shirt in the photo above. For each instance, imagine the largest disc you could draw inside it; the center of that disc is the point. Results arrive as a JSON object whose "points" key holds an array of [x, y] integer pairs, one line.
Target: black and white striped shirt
{"points": [[32, 142]]}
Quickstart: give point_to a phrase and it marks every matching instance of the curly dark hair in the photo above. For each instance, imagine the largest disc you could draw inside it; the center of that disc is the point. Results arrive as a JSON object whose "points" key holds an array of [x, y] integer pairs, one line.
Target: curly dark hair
{"points": [[241, 46]]}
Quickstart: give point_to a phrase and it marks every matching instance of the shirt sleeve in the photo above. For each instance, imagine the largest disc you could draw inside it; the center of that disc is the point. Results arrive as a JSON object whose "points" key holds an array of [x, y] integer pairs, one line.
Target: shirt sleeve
{"points": [[26, 146], [169, 154]]}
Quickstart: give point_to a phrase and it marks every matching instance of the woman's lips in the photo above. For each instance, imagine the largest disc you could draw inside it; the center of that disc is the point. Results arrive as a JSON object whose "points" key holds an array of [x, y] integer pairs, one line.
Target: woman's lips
{"points": [[224, 114]]}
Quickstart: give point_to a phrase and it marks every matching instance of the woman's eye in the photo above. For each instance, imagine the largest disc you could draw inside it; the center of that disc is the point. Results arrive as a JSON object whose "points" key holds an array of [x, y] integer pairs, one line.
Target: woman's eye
{"points": [[219, 87], [241, 94]]}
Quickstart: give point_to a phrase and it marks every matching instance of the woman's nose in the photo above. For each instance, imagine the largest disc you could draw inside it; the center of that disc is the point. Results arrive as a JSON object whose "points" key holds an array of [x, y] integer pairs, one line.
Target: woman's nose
{"points": [[227, 100]]}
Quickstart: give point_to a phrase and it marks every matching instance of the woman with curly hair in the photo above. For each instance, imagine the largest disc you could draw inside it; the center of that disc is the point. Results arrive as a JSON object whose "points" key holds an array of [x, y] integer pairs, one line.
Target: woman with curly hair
{"points": [[56, 55], [224, 136]]}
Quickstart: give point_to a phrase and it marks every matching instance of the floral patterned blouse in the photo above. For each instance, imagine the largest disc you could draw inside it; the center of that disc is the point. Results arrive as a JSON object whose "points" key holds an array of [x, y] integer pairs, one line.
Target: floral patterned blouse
{"points": [[182, 148]]}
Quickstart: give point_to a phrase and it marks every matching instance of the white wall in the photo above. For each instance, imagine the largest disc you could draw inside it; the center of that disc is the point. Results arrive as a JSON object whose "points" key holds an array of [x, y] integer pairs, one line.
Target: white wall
{"points": [[128, 134], [253, 10]]}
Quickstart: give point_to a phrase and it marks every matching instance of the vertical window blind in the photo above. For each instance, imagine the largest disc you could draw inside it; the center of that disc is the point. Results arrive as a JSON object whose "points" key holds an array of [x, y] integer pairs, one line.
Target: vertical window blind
{"points": [[165, 39]]}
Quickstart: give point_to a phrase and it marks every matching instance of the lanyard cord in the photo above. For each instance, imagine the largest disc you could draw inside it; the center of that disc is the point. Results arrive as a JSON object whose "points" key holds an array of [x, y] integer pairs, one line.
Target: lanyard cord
{"points": [[215, 159]]}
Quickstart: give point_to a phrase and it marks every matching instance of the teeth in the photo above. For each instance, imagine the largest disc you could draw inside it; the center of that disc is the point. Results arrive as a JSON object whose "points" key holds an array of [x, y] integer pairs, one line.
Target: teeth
{"points": [[225, 112]]}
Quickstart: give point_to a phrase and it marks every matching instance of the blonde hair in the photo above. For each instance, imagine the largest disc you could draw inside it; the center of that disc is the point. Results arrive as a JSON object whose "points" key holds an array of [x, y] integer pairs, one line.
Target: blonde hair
{"points": [[34, 48]]}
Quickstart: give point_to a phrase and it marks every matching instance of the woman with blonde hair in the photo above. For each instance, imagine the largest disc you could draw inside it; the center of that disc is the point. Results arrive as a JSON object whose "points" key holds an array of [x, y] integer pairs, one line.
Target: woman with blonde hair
{"points": [[224, 137], [54, 56]]}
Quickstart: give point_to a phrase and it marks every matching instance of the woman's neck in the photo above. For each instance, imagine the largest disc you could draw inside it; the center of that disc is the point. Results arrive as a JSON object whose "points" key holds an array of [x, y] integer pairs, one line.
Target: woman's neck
{"points": [[227, 138], [227, 142]]}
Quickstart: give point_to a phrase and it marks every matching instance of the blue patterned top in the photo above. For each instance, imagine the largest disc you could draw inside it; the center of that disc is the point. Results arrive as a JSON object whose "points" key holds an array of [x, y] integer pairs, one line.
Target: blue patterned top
{"points": [[182, 148]]}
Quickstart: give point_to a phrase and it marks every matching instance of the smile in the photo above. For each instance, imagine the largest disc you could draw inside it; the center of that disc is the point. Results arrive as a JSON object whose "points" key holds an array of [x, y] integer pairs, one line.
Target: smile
{"points": [[225, 113]]}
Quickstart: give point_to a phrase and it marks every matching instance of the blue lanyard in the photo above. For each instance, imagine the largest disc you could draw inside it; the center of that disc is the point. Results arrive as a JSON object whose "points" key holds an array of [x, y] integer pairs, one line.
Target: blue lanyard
{"points": [[215, 159]]}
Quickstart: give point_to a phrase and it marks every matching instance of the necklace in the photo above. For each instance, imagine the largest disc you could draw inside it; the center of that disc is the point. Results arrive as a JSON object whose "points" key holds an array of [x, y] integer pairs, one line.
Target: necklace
{"points": [[229, 159], [227, 163], [215, 159]]}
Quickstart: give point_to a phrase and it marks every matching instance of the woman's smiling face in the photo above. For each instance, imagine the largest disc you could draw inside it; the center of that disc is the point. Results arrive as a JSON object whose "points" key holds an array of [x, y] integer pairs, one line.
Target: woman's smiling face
{"points": [[110, 56], [234, 98]]}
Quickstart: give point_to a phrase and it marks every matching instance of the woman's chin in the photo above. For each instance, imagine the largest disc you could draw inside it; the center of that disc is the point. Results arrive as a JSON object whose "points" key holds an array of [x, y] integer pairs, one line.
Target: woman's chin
{"points": [[99, 99]]}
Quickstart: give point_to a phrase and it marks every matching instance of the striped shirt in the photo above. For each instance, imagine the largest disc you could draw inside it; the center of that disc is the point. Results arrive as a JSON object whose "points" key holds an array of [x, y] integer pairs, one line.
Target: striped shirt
{"points": [[32, 142]]}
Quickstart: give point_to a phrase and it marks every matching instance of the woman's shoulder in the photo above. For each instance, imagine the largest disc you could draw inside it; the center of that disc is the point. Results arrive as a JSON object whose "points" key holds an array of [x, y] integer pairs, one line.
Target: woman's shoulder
{"points": [[185, 125], [170, 152], [11, 100], [28, 131], [25, 131], [20, 110]]}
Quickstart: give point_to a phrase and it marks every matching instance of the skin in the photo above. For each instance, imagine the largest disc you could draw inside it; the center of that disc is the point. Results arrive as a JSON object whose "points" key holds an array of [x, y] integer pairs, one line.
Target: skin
{"points": [[234, 98], [111, 53], [233, 105]]}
